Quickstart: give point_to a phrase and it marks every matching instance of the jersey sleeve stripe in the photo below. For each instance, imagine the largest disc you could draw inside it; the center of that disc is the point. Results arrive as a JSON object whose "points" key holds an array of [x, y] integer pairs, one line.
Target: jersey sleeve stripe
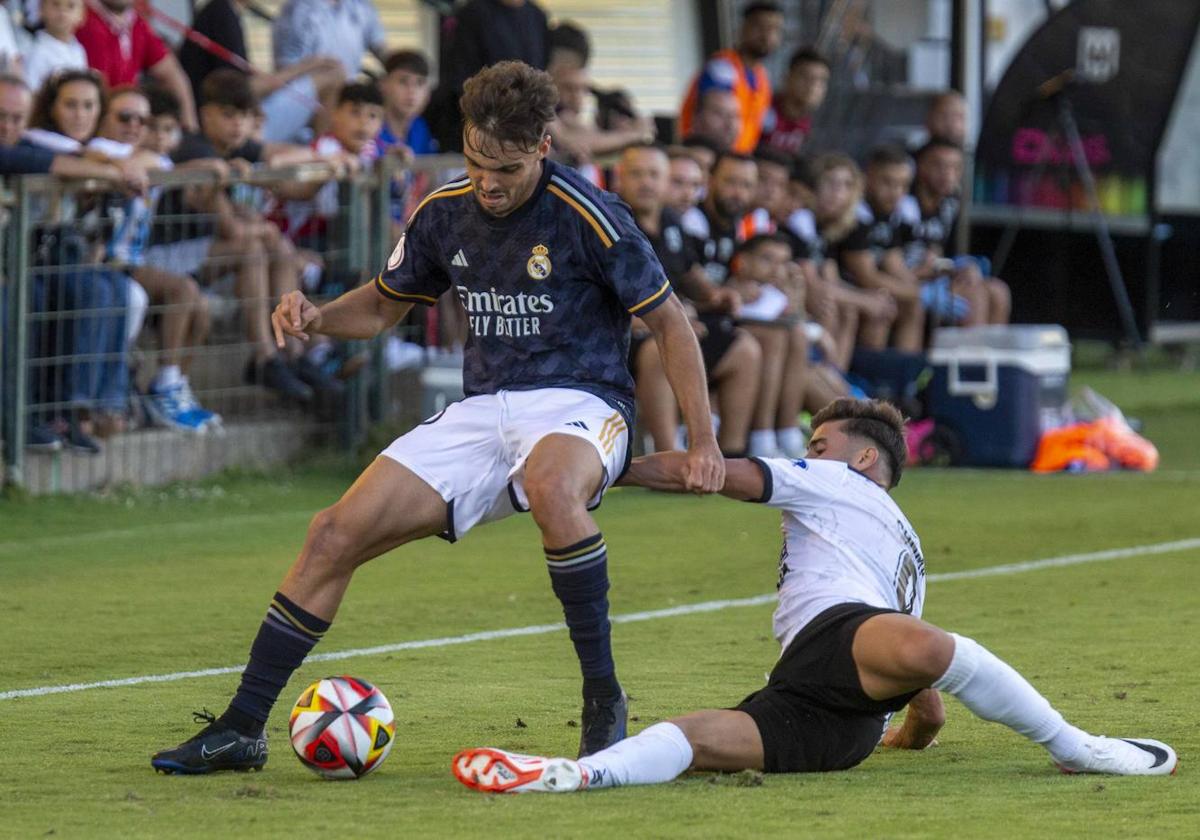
{"points": [[591, 220], [768, 481], [666, 288], [406, 297], [596, 212], [452, 189]]}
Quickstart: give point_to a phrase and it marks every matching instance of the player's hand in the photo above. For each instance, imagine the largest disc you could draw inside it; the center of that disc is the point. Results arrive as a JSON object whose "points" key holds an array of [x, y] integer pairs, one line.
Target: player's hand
{"points": [[898, 738], [294, 314], [704, 471]]}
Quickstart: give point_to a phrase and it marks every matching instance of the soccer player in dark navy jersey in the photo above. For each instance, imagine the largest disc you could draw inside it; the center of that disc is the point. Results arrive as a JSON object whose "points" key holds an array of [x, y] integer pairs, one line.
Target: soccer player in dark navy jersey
{"points": [[550, 270]]}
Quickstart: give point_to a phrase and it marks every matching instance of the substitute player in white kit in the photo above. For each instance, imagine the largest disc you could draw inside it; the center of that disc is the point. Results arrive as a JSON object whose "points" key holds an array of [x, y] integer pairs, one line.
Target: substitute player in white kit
{"points": [[851, 589]]}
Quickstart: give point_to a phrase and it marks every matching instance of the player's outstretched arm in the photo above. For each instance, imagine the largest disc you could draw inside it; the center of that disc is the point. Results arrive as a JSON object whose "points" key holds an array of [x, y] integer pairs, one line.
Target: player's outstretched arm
{"points": [[684, 367], [361, 313], [925, 717], [667, 471]]}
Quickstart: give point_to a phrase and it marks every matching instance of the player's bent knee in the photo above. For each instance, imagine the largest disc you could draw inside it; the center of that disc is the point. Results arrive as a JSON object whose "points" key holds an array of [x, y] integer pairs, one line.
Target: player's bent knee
{"points": [[926, 653], [330, 542]]}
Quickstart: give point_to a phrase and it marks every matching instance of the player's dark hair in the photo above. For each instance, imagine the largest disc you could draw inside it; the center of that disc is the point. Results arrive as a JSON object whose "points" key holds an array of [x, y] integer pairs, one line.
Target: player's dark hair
{"points": [[163, 103], [765, 154], [888, 154], [808, 55], [509, 104], [935, 143], [761, 7], [759, 239], [878, 421], [360, 93], [409, 60], [571, 37], [229, 88], [734, 156]]}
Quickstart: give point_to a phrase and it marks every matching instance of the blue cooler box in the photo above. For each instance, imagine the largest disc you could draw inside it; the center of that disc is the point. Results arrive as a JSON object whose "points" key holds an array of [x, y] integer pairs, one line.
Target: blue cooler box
{"points": [[996, 386]]}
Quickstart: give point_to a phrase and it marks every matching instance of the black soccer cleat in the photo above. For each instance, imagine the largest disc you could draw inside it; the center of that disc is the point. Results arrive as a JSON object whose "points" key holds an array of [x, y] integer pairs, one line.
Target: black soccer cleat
{"points": [[215, 747], [604, 723]]}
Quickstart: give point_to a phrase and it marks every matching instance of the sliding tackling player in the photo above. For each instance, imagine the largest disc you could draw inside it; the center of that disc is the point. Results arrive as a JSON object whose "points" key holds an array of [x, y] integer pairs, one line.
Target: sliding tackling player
{"points": [[851, 588]]}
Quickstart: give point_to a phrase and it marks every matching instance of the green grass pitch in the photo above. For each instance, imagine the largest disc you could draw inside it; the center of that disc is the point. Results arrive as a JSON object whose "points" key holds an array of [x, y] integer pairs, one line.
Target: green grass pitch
{"points": [[165, 581]]}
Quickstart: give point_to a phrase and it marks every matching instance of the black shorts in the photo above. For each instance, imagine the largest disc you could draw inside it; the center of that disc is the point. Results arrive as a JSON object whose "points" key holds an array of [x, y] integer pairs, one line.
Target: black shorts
{"points": [[813, 715], [722, 332]]}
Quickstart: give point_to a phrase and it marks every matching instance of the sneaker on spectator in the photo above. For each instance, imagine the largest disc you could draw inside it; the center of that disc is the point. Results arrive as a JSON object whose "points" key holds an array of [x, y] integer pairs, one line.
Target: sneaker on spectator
{"points": [[42, 438], [275, 375], [80, 441], [211, 419], [175, 408]]}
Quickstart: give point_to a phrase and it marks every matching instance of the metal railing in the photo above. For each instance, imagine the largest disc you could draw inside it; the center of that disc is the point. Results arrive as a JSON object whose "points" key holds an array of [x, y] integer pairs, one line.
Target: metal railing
{"points": [[110, 302]]}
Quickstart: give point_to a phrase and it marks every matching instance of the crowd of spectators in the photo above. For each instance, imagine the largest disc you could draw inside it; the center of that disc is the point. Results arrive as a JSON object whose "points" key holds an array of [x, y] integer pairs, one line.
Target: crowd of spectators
{"points": [[793, 261]]}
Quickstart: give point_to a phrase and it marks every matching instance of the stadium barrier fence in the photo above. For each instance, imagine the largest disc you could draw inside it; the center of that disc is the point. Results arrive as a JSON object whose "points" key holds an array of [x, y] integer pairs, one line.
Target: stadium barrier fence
{"points": [[101, 291]]}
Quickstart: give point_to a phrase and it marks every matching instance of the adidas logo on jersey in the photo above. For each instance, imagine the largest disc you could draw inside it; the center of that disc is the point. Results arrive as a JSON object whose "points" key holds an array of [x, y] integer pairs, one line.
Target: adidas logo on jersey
{"points": [[460, 259]]}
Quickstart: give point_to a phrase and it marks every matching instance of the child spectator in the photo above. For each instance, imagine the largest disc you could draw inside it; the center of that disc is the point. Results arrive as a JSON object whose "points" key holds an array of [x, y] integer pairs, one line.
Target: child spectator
{"points": [[405, 89], [55, 47], [355, 127], [243, 236], [773, 312]]}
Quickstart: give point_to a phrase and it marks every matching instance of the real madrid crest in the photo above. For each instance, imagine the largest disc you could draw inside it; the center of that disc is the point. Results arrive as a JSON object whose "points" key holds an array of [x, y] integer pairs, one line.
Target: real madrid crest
{"points": [[539, 264]]}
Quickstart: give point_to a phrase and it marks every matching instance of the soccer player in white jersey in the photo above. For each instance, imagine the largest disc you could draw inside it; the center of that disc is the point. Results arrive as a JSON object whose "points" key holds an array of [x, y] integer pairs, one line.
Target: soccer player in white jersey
{"points": [[851, 589]]}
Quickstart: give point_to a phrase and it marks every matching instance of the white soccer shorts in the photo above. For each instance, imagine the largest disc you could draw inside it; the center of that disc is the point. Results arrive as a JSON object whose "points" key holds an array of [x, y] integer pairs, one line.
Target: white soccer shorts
{"points": [[473, 453]]}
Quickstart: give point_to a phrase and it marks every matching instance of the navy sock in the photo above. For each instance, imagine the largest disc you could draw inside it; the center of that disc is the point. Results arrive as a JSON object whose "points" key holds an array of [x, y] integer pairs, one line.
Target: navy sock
{"points": [[579, 577], [286, 636]]}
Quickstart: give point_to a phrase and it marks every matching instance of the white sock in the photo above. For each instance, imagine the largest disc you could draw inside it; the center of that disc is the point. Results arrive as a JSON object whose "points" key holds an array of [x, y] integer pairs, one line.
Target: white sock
{"points": [[655, 755], [791, 441], [763, 443], [990, 688], [168, 376]]}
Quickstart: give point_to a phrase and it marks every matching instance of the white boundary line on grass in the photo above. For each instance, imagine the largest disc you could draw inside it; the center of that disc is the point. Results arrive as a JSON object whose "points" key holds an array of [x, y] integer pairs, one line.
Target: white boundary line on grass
{"points": [[625, 618]]}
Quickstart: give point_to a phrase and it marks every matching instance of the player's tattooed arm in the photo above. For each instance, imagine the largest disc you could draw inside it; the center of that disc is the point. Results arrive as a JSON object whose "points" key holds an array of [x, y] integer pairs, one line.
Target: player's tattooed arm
{"points": [[925, 717], [361, 313]]}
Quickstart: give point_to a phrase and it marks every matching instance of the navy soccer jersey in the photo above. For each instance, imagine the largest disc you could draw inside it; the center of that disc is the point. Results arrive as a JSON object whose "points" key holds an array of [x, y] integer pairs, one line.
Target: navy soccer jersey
{"points": [[549, 289]]}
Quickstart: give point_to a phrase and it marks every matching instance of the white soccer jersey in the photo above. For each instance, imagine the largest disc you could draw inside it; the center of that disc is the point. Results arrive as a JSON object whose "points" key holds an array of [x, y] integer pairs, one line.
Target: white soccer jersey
{"points": [[845, 540]]}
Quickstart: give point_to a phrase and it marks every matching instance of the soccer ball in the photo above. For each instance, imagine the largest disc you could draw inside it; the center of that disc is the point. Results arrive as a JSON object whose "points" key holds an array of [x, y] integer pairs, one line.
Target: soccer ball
{"points": [[342, 727]]}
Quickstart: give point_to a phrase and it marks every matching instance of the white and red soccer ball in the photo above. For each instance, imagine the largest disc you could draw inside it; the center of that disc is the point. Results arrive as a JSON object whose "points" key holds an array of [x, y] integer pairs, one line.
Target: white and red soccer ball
{"points": [[342, 727]]}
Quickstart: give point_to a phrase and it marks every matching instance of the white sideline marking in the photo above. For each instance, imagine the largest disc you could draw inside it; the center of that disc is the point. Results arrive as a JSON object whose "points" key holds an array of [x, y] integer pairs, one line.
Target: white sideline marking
{"points": [[624, 618]]}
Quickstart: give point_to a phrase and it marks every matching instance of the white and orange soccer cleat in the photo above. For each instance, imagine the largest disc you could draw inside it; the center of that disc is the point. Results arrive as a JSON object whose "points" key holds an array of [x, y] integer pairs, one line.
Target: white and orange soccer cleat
{"points": [[496, 771], [1123, 757]]}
